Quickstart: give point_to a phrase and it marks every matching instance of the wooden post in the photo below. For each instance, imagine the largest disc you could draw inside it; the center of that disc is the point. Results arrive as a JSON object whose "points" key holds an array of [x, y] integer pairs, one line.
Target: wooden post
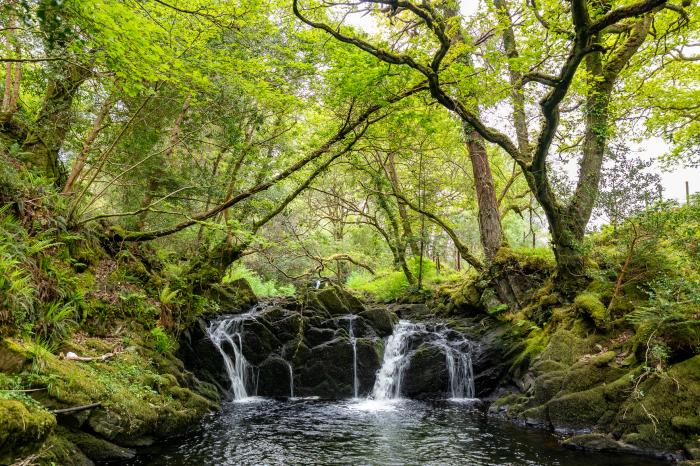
{"points": [[687, 193]]}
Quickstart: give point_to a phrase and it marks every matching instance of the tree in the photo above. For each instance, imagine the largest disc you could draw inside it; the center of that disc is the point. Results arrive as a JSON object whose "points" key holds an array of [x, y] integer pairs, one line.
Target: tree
{"points": [[585, 56]]}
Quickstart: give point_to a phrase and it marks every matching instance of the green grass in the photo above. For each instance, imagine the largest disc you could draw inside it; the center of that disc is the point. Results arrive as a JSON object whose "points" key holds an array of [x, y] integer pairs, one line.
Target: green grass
{"points": [[389, 285]]}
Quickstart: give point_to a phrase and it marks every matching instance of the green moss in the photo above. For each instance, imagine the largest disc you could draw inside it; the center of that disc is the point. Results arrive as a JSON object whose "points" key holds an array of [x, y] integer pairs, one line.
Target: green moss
{"points": [[578, 410], [590, 305], [59, 450], [24, 429]]}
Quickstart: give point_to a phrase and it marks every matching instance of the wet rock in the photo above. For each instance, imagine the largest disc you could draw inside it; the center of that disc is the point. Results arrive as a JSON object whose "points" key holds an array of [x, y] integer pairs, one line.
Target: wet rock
{"points": [[328, 370], [200, 355], [273, 378], [426, 375]]}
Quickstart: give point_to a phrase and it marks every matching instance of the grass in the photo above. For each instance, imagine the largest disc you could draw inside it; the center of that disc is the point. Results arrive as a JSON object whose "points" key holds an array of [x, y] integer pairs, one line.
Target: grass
{"points": [[389, 285]]}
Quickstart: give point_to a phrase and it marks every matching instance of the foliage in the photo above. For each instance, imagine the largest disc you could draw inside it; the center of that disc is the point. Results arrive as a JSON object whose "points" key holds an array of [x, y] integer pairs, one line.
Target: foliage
{"points": [[260, 286], [161, 340]]}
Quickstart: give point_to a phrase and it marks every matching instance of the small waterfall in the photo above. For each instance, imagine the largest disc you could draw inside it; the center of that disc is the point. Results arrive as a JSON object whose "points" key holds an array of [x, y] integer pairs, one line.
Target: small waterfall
{"points": [[229, 331], [353, 341], [398, 352], [461, 374], [387, 386], [291, 379]]}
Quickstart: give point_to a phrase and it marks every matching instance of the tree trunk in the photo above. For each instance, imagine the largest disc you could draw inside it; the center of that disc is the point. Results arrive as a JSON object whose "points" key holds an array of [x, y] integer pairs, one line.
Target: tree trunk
{"points": [[44, 140], [489, 219], [403, 213], [81, 158]]}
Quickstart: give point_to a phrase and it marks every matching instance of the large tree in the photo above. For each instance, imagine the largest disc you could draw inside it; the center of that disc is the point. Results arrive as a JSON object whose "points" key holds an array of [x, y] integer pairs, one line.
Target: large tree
{"points": [[560, 53]]}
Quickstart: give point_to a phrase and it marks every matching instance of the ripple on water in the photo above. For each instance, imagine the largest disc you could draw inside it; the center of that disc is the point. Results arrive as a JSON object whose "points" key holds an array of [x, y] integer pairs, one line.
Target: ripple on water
{"points": [[387, 432]]}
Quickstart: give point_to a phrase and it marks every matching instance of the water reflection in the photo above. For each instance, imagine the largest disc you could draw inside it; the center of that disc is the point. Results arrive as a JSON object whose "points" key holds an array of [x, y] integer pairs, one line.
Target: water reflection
{"points": [[389, 432]]}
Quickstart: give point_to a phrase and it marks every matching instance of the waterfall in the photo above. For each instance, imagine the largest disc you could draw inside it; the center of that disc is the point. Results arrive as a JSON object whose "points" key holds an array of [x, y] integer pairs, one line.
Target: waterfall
{"points": [[291, 379], [387, 386], [399, 350], [353, 341], [460, 372], [230, 331]]}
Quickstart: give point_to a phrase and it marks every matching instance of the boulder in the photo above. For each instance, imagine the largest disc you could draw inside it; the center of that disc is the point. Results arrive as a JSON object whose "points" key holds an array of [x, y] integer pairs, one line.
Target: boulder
{"points": [[381, 319], [23, 429], [235, 296], [426, 375]]}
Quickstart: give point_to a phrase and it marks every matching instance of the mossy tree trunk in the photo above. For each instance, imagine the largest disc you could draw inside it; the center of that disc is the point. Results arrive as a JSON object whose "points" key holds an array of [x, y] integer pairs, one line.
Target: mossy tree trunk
{"points": [[46, 135]]}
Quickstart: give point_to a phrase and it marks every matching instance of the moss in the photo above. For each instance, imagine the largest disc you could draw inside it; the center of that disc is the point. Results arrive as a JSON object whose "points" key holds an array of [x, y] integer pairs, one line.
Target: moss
{"points": [[95, 448], [577, 410], [667, 415], [565, 347], [24, 429], [60, 450], [590, 305]]}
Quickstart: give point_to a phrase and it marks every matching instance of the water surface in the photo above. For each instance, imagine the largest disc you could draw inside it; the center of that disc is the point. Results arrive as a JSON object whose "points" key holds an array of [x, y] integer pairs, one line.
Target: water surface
{"points": [[397, 432]]}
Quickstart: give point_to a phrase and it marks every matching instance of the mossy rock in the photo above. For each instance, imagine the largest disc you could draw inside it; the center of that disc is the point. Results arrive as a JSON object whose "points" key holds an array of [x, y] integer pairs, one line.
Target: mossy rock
{"points": [[12, 359], [565, 347], [667, 416], [579, 410], [58, 450], [381, 319], [335, 300], [23, 429], [590, 305], [95, 448], [234, 296]]}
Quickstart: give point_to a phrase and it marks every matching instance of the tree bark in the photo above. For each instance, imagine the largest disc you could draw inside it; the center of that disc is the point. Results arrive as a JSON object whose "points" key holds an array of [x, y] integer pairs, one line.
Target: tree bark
{"points": [[49, 129], [489, 218]]}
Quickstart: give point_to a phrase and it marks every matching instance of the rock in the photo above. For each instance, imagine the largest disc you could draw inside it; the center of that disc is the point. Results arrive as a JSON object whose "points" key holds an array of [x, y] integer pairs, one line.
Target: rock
{"points": [[411, 311], [11, 359], [597, 442], [23, 429], [381, 319], [235, 296], [328, 370], [369, 360], [97, 449], [273, 379], [334, 300], [426, 375], [200, 355]]}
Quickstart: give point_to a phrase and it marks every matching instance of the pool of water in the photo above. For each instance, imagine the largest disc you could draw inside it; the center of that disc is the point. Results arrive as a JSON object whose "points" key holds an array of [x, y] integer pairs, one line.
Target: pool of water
{"points": [[398, 432]]}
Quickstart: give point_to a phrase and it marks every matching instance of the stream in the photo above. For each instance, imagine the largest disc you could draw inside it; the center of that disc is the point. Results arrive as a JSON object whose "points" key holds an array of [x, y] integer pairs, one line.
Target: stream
{"points": [[380, 427], [399, 432]]}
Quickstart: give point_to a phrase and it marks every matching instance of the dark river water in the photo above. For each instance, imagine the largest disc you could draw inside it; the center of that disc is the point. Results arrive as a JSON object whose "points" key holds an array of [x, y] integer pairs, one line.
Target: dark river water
{"points": [[401, 432]]}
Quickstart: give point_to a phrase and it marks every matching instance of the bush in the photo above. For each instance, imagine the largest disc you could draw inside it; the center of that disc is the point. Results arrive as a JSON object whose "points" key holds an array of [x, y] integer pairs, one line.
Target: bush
{"points": [[161, 340], [260, 286]]}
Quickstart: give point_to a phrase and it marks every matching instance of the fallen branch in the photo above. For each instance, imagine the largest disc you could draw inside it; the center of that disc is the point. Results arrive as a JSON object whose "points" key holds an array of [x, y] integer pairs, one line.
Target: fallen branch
{"points": [[71, 356], [75, 409]]}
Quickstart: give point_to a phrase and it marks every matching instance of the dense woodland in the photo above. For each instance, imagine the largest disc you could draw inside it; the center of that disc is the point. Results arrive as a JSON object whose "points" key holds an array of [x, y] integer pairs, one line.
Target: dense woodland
{"points": [[153, 152]]}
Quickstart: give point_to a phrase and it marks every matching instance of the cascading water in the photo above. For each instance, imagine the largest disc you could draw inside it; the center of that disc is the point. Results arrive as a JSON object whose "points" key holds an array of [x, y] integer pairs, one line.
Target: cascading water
{"points": [[230, 331], [387, 386], [291, 380], [353, 341], [461, 374], [398, 352]]}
